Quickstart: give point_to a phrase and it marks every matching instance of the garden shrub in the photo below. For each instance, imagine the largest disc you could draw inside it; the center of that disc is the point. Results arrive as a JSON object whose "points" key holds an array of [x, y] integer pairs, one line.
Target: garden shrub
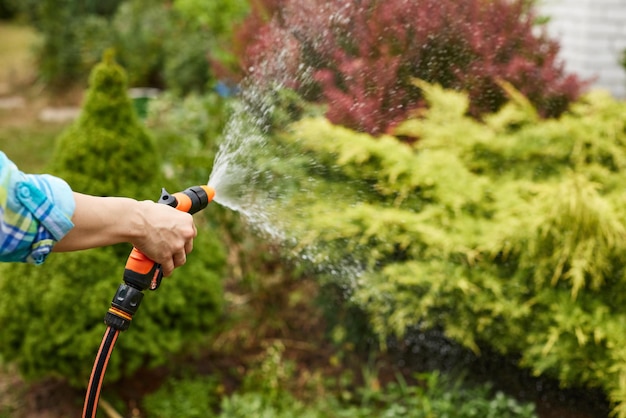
{"points": [[431, 395], [179, 47], [142, 28], [62, 23], [7, 9], [187, 131], [160, 45], [506, 234], [219, 19], [359, 57], [52, 315]]}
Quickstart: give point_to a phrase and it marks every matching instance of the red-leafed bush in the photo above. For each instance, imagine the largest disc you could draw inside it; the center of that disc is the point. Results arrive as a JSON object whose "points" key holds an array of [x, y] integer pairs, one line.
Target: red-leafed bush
{"points": [[360, 56]]}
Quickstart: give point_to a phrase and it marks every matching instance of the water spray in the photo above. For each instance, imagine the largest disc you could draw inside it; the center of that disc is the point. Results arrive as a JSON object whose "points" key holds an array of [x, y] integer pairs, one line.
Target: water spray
{"points": [[140, 273]]}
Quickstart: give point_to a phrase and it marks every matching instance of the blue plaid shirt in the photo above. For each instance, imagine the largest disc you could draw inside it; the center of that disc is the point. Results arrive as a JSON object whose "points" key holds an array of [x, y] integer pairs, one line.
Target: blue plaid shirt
{"points": [[35, 213]]}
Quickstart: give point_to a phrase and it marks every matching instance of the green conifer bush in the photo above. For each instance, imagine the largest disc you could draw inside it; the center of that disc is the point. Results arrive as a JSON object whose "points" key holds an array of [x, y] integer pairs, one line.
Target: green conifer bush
{"points": [[507, 233], [52, 315]]}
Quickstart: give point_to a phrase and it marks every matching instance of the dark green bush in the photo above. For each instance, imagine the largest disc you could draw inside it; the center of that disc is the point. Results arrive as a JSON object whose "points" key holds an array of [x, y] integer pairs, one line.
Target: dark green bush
{"points": [[53, 316], [7, 9], [171, 47], [141, 28], [62, 25], [186, 68], [218, 20], [160, 44]]}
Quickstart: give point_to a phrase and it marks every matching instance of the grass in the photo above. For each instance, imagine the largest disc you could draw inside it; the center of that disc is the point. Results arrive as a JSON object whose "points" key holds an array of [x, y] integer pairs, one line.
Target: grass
{"points": [[25, 139], [30, 147]]}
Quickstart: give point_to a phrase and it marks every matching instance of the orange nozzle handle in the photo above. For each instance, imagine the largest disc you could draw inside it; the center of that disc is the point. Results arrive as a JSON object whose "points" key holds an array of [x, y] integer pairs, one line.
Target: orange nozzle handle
{"points": [[138, 262]]}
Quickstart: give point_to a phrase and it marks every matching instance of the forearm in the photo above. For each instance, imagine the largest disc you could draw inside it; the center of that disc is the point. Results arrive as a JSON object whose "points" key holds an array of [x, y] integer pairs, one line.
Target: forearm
{"points": [[102, 221]]}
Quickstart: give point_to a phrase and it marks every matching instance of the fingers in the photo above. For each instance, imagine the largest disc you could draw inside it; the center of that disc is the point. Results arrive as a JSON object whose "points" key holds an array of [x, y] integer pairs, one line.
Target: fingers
{"points": [[189, 246], [167, 267], [178, 259]]}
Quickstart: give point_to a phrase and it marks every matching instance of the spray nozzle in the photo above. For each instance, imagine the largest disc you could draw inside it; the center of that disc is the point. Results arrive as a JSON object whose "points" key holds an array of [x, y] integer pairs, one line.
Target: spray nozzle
{"points": [[190, 200]]}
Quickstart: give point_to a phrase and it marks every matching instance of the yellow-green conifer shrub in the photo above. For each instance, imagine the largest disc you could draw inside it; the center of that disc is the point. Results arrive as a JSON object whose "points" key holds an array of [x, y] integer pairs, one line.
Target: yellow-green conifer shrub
{"points": [[52, 315], [508, 233]]}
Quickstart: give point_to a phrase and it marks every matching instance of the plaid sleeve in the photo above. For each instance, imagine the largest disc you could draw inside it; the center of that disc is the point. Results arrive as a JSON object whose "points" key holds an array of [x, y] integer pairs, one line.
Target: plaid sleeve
{"points": [[35, 213]]}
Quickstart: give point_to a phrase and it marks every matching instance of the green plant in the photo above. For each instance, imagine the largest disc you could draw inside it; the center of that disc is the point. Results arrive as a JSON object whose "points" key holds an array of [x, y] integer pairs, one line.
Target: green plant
{"points": [[62, 25], [52, 316], [217, 19], [432, 395], [187, 132], [272, 375], [358, 57], [506, 233], [186, 68], [183, 398], [7, 9], [142, 28], [256, 405], [160, 45]]}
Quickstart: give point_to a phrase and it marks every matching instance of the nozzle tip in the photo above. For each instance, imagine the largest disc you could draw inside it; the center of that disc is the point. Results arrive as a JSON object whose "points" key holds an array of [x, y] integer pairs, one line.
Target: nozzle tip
{"points": [[210, 192]]}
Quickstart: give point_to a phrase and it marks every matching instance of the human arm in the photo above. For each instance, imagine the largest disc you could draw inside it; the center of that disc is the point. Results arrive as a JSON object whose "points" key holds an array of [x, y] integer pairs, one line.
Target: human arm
{"points": [[162, 233], [41, 213]]}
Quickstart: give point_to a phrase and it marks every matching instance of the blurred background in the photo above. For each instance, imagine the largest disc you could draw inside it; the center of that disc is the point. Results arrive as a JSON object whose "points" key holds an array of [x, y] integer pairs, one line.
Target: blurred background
{"points": [[420, 207]]}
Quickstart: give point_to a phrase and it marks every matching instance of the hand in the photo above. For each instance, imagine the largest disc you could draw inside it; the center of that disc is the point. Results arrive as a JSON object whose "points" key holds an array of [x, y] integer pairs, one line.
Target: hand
{"points": [[167, 235]]}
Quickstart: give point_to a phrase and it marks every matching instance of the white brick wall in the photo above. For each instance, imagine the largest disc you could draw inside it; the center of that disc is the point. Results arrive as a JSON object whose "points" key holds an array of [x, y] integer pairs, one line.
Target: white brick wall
{"points": [[592, 35]]}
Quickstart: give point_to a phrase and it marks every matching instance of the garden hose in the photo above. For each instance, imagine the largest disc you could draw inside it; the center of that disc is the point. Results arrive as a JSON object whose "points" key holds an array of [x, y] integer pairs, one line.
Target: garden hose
{"points": [[140, 273]]}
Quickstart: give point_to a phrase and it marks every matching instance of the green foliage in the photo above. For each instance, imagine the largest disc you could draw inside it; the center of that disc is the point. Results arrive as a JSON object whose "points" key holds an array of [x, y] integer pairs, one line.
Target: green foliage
{"points": [[255, 405], [142, 28], [7, 11], [265, 390], [217, 15], [94, 36], [219, 18], [186, 68], [160, 45], [58, 63], [175, 47], [266, 393], [52, 316], [187, 132], [64, 55], [184, 398], [506, 233], [180, 47], [433, 395]]}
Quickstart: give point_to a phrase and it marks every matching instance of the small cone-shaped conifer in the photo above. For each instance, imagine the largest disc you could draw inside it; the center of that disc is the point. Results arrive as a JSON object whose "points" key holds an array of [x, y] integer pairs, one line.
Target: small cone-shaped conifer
{"points": [[108, 151], [51, 316]]}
